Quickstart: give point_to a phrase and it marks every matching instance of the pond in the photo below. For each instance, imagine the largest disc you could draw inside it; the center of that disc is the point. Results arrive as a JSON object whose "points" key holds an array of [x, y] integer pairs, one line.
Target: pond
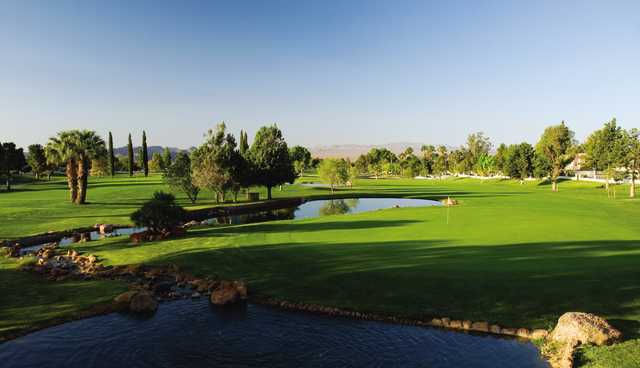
{"points": [[318, 208], [310, 209], [192, 333], [92, 235]]}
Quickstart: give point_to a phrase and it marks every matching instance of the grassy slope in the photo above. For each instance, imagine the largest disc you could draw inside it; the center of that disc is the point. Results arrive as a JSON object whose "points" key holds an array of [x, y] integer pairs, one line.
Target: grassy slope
{"points": [[516, 254], [28, 301]]}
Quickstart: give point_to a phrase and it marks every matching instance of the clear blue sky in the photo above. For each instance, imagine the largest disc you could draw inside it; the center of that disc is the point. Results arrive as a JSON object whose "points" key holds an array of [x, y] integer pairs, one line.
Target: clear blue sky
{"points": [[328, 72]]}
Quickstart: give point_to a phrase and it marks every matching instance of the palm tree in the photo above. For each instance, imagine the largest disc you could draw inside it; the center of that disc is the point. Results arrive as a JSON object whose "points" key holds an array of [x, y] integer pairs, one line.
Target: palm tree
{"points": [[88, 146], [61, 151], [76, 149]]}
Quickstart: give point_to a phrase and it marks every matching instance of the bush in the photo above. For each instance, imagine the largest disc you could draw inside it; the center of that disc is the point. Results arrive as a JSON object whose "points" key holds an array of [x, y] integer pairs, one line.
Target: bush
{"points": [[159, 214]]}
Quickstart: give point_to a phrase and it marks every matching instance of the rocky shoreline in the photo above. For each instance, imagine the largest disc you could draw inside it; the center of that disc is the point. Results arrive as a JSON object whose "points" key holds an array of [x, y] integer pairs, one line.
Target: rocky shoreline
{"points": [[149, 285]]}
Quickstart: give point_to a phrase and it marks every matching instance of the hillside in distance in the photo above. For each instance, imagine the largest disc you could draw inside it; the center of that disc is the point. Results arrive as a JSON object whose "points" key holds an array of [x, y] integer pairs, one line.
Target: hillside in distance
{"points": [[352, 151], [122, 151]]}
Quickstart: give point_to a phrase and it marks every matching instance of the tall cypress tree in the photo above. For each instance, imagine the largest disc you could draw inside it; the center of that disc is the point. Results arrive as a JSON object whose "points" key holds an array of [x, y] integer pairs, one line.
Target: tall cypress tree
{"points": [[145, 154], [244, 142], [112, 157], [166, 157], [130, 152]]}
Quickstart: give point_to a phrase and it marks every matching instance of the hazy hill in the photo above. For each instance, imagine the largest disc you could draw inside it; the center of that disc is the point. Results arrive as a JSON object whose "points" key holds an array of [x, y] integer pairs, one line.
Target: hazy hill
{"points": [[122, 151], [352, 151]]}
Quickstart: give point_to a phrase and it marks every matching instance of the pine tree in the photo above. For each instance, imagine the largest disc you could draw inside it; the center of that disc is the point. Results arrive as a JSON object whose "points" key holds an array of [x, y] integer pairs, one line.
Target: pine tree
{"points": [[130, 152], [145, 157], [112, 158]]}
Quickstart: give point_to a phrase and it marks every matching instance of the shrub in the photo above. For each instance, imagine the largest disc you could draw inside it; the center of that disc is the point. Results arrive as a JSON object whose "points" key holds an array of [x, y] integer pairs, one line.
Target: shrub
{"points": [[159, 214]]}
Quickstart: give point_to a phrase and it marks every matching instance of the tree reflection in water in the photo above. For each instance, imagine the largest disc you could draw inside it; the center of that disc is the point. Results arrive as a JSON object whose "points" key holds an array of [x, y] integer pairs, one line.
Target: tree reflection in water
{"points": [[335, 207]]}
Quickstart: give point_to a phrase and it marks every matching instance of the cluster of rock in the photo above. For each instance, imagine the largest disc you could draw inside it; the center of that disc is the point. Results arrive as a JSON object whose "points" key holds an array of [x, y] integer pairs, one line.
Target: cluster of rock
{"points": [[143, 236], [13, 250], [573, 328], [445, 322], [228, 292], [148, 285], [59, 266], [482, 326], [169, 283]]}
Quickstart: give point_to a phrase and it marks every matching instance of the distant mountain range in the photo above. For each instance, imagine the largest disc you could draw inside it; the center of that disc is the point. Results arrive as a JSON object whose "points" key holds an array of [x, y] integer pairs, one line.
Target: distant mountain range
{"points": [[122, 151], [352, 151]]}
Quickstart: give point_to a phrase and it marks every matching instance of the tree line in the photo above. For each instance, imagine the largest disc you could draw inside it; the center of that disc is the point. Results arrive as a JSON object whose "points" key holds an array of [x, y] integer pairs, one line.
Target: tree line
{"points": [[611, 149], [225, 166]]}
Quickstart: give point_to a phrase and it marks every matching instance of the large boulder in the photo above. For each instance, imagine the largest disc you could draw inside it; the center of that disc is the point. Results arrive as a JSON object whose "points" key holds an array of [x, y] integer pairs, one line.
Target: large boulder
{"points": [[143, 302], [229, 292], [584, 328], [123, 300]]}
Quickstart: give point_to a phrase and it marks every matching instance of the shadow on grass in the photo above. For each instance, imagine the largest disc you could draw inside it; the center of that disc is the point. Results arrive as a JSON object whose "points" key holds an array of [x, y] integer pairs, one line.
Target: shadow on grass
{"points": [[517, 285], [271, 227], [29, 301]]}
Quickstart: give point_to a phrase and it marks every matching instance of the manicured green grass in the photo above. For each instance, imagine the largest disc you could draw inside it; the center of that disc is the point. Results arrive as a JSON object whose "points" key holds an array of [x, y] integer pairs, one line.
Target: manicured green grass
{"points": [[515, 254], [624, 355], [43, 206], [28, 301]]}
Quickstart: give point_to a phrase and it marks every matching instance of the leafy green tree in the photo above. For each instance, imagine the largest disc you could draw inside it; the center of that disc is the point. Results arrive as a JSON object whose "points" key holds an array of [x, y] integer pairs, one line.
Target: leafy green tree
{"points": [[131, 162], [485, 165], [217, 164], [301, 158], [333, 172], [156, 164], [441, 162], [99, 166], [159, 214], [354, 173], [269, 157], [122, 163], [519, 161], [362, 164], [555, 145], [411, 166], [500, 158], [178, 176], [477, 145], [11, 160], [428, 158], [112, 157], [166, 157], [145, 154], [37, 159], [541, 166], [380, 161], [605, 149]]}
